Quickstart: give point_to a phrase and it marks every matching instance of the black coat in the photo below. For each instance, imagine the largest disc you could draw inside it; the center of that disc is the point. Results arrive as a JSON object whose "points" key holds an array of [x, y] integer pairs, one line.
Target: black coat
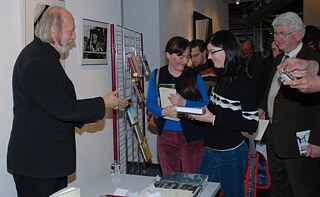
{"points": [[293, 111], [46, 111]]}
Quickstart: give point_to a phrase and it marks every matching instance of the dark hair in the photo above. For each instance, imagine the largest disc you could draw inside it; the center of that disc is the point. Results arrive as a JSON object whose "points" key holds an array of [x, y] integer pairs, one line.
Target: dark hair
{"points": [[189, 90], [234, 63], [198, 43], [177, 45], [312, 35]]}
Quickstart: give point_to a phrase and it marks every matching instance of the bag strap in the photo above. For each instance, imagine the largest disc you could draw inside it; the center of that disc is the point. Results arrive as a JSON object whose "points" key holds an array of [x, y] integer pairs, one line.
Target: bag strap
{"points": [[251, 184], [157, 80]]}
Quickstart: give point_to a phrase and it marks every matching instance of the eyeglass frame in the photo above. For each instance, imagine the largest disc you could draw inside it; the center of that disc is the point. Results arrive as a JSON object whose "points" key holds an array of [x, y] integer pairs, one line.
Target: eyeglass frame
{"points": [[211, 52], [282, 35]]}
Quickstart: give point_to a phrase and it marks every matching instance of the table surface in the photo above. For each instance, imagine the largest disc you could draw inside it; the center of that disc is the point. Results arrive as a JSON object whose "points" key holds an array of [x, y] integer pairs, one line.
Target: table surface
{"points": [[133, 183]]}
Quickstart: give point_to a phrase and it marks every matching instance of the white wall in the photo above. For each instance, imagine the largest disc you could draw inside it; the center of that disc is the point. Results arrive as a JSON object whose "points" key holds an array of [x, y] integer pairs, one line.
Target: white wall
{"points": [[11, 43], [94, 144], [162, 19], [176, 18]]}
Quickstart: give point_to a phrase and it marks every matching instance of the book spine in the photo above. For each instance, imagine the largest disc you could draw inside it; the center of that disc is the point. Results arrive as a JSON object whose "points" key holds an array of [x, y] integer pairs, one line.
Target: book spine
{"points": [[146, 67], [138, 90], [132, 67], [136, 63], [143, 144]]}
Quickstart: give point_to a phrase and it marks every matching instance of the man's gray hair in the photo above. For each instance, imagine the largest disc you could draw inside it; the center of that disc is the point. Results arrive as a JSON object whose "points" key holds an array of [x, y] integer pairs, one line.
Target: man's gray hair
{"points": [[51, 17], [290, 18]]}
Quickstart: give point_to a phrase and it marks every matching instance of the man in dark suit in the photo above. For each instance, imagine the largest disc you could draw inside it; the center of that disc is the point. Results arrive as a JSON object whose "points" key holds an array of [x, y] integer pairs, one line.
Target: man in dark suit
{"points": [[42, 150], [291, 111], [256, 67]]}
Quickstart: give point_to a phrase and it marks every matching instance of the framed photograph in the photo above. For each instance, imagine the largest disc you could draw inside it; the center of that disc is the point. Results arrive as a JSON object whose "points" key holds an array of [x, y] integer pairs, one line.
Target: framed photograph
{"points": [[94, 42]]}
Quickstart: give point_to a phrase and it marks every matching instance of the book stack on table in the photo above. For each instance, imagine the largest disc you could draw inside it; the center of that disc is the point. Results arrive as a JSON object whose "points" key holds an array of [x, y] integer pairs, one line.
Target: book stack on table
{"points": [[181, 184]]}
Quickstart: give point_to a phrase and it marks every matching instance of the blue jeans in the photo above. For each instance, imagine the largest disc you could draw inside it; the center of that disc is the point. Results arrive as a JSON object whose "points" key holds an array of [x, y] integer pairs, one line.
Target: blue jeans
{"points": [[228, 167]]}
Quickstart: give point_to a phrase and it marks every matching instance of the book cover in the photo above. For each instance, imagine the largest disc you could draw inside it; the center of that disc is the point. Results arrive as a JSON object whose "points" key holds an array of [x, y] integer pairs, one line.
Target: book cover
{"points": [[132, 67], [136, 64], [132, 113], [302, 140], [67, 192], [189, 178], [146, 67], [164, 91], [138, 90], [190, 110], [194, 188]]}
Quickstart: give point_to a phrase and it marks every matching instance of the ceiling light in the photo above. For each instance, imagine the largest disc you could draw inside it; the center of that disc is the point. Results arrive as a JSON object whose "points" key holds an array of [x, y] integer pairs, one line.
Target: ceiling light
{"points": [[237, 2]]}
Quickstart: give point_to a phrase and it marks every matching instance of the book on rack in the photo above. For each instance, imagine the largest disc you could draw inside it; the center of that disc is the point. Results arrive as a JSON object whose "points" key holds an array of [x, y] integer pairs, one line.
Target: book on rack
{"points": [[146, 67], [142, 140], [67, 192], [138, 89], [136, 64], [188, 178], [190, 110], [131, 66], [132, 113]]}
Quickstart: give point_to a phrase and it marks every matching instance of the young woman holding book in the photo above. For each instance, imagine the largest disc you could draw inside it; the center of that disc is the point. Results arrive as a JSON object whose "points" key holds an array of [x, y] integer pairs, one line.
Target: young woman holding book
{"points": [[180, 140], [232, 109]]}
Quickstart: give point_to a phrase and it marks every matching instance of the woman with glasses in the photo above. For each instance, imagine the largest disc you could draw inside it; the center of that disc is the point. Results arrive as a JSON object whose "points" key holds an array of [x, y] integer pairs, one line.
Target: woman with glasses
{"points": [[232, 109], [179, 140]]}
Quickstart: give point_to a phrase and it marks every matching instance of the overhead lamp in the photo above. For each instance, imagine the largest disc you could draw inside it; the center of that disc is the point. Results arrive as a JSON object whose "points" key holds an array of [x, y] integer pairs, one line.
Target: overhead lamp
{"points": [[237, 2]]}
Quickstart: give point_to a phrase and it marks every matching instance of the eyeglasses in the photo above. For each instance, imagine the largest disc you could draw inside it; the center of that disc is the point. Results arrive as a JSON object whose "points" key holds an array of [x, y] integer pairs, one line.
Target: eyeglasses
{"points": [[212, 52], [281, 35]]}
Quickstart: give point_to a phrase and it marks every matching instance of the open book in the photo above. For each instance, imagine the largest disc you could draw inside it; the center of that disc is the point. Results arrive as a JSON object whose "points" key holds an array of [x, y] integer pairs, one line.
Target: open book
{"points": [[263, 124], [67, 192]]}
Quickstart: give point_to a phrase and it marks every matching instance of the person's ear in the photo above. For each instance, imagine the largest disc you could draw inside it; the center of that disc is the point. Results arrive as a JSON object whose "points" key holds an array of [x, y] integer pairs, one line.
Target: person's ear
{"points": [[168, 55]]}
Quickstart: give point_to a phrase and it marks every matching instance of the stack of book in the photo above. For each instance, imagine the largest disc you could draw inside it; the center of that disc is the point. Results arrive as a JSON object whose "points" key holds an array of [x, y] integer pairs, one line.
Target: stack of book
{"points": [[178, 184], [192, 190], [200, 180]]}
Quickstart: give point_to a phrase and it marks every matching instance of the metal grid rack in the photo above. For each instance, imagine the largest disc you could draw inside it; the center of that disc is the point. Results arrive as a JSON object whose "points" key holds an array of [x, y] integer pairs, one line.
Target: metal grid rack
{"points": [[127, 153]]}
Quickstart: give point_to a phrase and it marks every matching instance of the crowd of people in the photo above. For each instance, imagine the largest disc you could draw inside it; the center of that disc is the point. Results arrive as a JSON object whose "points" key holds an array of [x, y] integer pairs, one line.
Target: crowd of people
{"points": [[232, 83]]}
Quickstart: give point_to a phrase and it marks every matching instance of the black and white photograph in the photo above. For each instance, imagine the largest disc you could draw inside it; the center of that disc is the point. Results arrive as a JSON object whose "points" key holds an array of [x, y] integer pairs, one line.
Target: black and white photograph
{"points": [[94, 40]]}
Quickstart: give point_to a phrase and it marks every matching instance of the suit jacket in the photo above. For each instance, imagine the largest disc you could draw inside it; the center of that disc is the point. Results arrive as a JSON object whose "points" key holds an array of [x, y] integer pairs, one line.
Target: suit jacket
{"points": [[42, 141], [293, 111]]}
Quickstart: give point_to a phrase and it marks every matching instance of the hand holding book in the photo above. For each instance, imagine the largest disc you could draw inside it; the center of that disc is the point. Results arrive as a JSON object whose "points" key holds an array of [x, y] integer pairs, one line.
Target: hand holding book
{"points": [[206, 117], [170, 112], [177, 99]]}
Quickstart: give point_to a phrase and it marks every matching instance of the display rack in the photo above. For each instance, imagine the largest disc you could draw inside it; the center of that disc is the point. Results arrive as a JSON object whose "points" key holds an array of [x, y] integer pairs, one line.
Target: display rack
{"points": [[126, 148]]}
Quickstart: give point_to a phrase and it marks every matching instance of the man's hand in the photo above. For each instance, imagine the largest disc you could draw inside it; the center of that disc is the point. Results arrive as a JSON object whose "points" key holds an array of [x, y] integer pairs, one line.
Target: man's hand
{"points": [[306, 84], [111, 100], [299, 67], [313, 151]]}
